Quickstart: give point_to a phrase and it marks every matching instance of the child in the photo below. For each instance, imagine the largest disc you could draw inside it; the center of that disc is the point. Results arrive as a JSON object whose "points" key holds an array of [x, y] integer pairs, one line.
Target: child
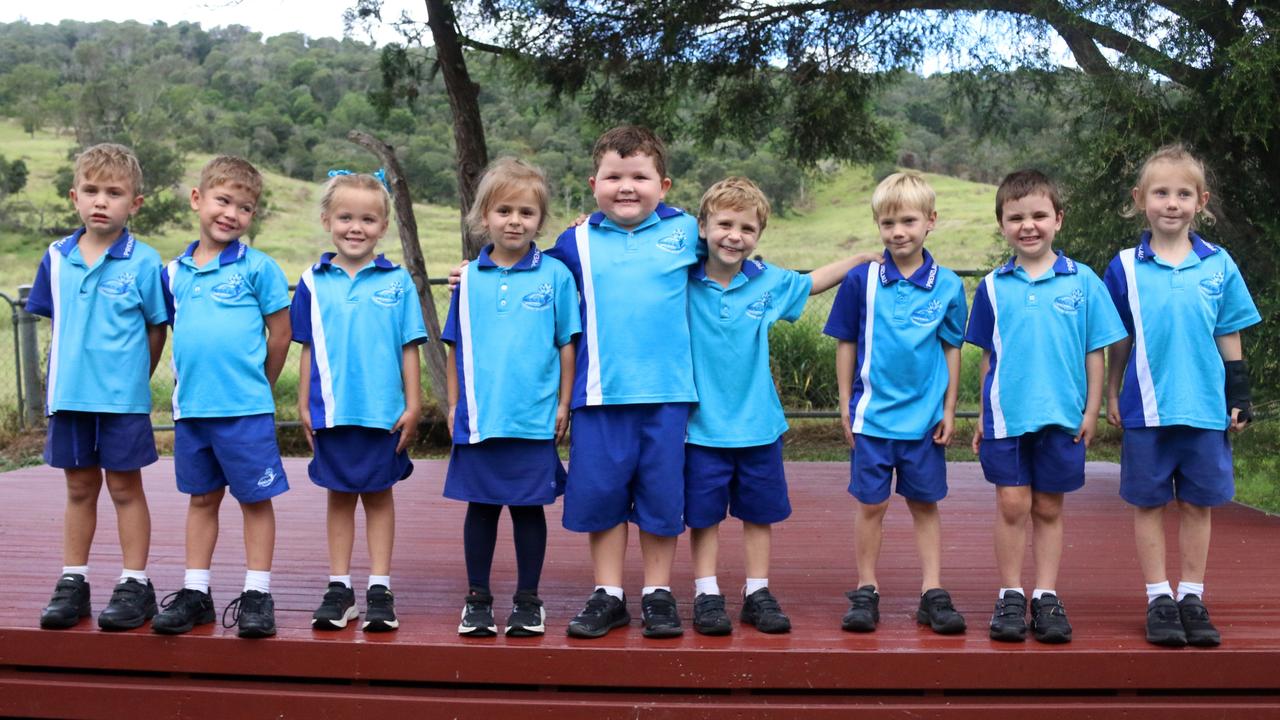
{"points": [[222, 294], [733, 455], [1177, 386], [360, 323], [899, 323], [1042, 321], [510, 373], [101, 289]]}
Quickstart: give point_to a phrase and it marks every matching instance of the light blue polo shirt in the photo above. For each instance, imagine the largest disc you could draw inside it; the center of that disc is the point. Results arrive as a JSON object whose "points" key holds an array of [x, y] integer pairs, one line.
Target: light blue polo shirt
{"points": [[1175, 374], [99, 356], [1038, 331], [738, 404], [507, 325], [634, 287], [900, 325], [357, 329], [219, 342]]}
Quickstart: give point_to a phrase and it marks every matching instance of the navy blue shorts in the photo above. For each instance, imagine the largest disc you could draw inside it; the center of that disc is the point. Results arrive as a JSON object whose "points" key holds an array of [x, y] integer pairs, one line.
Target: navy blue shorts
{"points": [[1194, 464], [238, 452], [748, 481], [505, 471], [355, 459], [111, 441], [920, 466], [626, 462], [1049, 460]]}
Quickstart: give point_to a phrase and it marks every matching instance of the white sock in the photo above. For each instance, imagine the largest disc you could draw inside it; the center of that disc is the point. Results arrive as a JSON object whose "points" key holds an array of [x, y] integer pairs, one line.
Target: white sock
{"points": [[754, 584], [1155, 590], [259, 580], [81, 570], [195, 579], [344, 579], [139, 575], [612, 590], [706, 586], [1008, 589], [1189, 588], [383, 580], [1035, 594], [654, 588]]}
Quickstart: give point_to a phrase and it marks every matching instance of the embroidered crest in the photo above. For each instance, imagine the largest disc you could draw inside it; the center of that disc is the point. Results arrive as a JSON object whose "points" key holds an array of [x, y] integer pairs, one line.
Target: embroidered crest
{"points": [[758, 308], [539, 299], [929, 314], [1211, 286], [230, 290], [268, 478], [118, 285], [390, 295], [1070, 303], [673, 243]]}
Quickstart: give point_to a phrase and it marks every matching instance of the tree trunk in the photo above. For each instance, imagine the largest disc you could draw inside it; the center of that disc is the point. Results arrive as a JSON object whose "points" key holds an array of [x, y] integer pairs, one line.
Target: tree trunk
{"points": [[413, 260], [468, 130]]}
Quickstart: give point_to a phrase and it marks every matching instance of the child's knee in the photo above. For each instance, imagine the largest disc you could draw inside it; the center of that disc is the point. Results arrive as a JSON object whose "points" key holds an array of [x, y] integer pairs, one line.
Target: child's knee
{"points": [[1046, 507], [207, 502], [874, 511]]}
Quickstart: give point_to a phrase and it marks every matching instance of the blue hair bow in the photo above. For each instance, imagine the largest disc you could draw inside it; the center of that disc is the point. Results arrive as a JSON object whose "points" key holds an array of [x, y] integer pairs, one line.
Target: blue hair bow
{"points": [[380, 173]]}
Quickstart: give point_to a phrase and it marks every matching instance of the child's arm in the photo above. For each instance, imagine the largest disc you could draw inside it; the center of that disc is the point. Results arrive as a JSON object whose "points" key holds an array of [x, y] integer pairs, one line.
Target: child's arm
{"points": [[846, 358], [451, 383], [1117, 360], [1093, 371], [830, 275], [410, 376], [1238, 394], [156, 335], [568, 357], [942, 433], [278, 338], [304, 396], [984, 367]]}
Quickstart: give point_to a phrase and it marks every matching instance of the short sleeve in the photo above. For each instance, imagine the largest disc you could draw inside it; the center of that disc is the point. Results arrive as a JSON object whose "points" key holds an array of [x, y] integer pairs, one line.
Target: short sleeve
{"points": [[40, 301], [1103, 324], [793, 291], [1237, 310], [166, 287], [272, 287], [951, 329], [1117, 285], [155, 307], [981, 319], [568, 322], [566, 251], [300, 312], [413, 329], [846, 311], [451, 324]]}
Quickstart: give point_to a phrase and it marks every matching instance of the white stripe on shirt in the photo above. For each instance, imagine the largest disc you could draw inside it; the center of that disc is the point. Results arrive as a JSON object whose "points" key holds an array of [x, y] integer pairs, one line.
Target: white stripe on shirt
{"points": [[1141, 364], [468, 354], [998, 427], [594, 390], [873, 283]]}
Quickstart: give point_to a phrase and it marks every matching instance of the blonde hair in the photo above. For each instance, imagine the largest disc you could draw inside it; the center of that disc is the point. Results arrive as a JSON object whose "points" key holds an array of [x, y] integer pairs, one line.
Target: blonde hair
{"points": [[503, 177], [355, 181], [734, 193], [109, 160], [902, 190], [231, 170], [1175, 154]]}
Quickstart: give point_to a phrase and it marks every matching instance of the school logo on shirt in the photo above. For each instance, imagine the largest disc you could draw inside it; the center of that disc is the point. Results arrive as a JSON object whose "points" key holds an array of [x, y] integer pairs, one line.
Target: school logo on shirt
{"points": [[1069, 304], [268, 478], [673, 243], [230, 290], [390, 295], [118, 285], [928, 314], [1211, 287], [758, 308], [539, 299]]}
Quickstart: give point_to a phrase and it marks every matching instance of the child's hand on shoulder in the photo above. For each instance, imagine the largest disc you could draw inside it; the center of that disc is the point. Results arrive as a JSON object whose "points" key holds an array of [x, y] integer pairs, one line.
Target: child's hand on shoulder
{"points": [[562, 421], [455, 279], [407, 425]]}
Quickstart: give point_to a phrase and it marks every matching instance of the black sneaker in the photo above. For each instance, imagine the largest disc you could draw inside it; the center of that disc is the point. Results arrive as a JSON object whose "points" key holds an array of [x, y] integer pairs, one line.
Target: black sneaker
{"points": [[659, 615], [336, 609], [183, 610], [69, 603], [864, 610], [709, 616], [380, 612], [1164, 623], [602, 613], [1049, 620], [132, 604], [1195, 622], [477, 615], [937, 612], [1009, 620], [254, 613], [761, 609], [527, 618]]}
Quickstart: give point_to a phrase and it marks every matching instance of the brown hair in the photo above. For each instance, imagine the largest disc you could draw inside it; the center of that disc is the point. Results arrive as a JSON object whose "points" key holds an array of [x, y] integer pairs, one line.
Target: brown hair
{"points": [[109, 160], [355, 181], [504, 176], [902, 190], [1021, 183], [1175, 154], [628, 140], [734, 193], [231, 170]]}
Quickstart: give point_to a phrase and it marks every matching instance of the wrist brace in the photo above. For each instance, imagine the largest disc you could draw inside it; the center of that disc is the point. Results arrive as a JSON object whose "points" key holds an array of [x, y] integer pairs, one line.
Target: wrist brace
{"points": [[1238, 394]]}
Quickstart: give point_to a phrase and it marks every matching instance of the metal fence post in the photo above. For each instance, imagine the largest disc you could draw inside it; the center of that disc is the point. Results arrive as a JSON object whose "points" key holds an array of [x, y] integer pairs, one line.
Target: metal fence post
{"points": [[29, 344]]}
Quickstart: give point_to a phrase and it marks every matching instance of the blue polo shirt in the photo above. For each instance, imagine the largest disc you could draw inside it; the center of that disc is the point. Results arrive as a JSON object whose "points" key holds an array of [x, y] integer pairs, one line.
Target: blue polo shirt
{"points": [[219, 343], [1175, 374], [900, 325], [99, 357], [634, 286], [738, 404], [357, 328], [507, 325], [1038, 331]]}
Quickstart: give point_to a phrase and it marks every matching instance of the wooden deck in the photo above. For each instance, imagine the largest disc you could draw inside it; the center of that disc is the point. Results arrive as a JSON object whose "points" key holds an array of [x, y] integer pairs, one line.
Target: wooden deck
{"points": [[901, 670]]}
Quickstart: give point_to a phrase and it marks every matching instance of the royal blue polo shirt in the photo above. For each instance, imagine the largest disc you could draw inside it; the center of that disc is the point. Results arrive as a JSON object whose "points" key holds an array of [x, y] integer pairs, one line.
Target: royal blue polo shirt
{"points": [[738, 404], [1175, 374], [634, 285], [1038, 331], [219, 343], [357, 328], [900, 325], [99, 356], [507, 325]]}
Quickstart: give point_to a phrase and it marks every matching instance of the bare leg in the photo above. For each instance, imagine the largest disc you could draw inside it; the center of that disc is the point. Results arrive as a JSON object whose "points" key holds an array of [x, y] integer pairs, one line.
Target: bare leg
{"points": [[1148, 531], [704, 546], [756, 541], [380, 528], [80, 519], [928, 524], [867, 532], [340, 517], [259, 534], [658, 551], [202, 528], [1047, 531], [1013, 507], [608, 552], [133, 517], [1193, 541]]}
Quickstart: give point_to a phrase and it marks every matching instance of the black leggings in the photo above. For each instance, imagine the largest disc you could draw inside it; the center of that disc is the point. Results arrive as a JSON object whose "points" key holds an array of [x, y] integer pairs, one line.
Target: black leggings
{"points": [[480, 537]]}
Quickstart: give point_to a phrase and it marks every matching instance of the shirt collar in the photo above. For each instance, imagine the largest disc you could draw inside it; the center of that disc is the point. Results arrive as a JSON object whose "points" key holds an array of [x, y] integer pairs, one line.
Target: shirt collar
{"points": [[751, 269], [233, 252], [121, 249], [531, 260], [924, 277], [380, 262], [662, 212], [1063, 265], [1199, 246]]}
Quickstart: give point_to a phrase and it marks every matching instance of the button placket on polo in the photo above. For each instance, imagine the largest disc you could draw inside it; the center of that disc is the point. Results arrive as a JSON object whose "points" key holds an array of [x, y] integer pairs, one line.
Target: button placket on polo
{"points": [[902, 301], [633, 245], [503, 290]]}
